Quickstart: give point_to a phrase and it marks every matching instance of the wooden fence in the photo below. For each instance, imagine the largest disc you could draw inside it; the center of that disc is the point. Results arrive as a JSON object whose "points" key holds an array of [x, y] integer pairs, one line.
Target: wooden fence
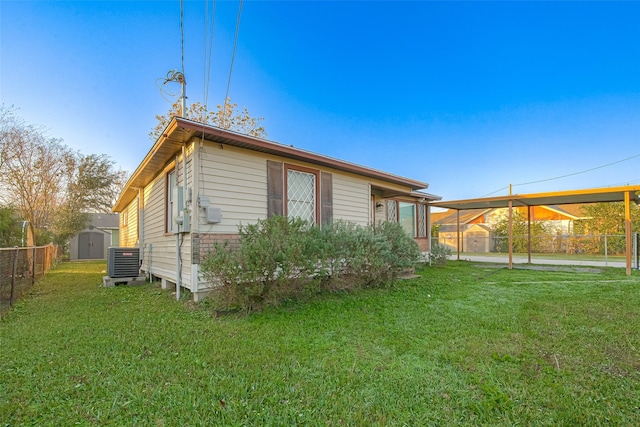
{"points": [[20, 268]]}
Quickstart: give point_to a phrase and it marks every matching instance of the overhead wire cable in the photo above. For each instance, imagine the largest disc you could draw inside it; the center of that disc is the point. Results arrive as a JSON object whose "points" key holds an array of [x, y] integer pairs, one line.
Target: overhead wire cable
{"points": [[209, 27], [627, 182], [565, 176], [184, 101], [581, 172], [164, 90], [233, 55], [494, 192], [182, 33]]}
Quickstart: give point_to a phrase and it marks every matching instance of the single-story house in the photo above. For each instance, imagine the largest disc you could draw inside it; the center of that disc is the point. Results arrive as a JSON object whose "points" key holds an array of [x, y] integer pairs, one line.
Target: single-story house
{"points": [[93, 242], [198, 183]]}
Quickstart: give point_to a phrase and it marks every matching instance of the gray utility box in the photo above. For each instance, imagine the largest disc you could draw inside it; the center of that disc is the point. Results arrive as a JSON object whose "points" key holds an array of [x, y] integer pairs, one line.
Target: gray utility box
{"points": [[123, 262]]}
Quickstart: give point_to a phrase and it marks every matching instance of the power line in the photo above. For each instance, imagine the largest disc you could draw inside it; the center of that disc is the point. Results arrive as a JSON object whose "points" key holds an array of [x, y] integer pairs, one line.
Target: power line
{"points": [[567, 175], [182, 34], [494, 192], [209, 26], [172, 76], [628, 182], [184, 102], [581, 172], [233, 55]]}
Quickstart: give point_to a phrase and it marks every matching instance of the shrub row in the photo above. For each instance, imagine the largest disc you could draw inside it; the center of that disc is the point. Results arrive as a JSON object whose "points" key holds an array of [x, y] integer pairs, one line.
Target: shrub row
{"points": [[286, 258]]}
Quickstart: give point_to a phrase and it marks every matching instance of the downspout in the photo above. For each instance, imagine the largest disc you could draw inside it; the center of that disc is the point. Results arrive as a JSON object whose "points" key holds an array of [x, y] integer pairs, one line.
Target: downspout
{"points": [[141, 225], [195, 229], [183, 82], [178, 266], [184, 221]]}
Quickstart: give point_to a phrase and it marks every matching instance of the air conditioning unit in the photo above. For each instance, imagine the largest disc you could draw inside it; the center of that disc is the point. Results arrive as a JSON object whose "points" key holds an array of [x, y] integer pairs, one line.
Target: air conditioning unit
{"points": [[123, 262]]}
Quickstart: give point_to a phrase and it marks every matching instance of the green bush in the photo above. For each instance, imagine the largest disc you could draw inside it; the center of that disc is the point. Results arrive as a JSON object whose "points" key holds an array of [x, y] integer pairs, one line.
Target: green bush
{"points": [[10, 227], [353, 256], [273, 262], [439, 253], [280, 259], [404, 252]]}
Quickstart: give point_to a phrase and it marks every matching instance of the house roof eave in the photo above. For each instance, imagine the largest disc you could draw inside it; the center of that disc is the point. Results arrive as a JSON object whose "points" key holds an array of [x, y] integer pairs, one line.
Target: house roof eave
{"points": [[180, 131], [223, 136]]}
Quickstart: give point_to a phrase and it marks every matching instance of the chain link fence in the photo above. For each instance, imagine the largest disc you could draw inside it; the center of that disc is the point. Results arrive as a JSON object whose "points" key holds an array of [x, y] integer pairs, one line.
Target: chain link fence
{"points": [[19, 270], [561, 246]]}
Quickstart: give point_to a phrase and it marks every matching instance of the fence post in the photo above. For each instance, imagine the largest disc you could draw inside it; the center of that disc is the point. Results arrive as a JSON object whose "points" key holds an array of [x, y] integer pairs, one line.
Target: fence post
{"points": [[13, 277], [605, 251], [33, 267], [636, 250]]}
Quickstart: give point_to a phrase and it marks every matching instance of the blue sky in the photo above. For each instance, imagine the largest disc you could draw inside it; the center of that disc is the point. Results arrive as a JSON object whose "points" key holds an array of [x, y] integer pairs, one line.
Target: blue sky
{"points": [[467, 96]]}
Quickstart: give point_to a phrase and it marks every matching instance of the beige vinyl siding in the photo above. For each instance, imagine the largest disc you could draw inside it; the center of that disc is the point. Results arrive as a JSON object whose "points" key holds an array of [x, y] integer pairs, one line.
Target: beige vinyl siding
{"points": [[129, 231], [161, 258], [160, 247], [154, 203], [351, 198], [235, 181], [184, 240]]}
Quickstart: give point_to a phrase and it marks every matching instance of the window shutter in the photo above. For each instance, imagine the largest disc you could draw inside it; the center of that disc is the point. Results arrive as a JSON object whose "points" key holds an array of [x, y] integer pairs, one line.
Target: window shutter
{"points": [[275, 188], [326, 198]]}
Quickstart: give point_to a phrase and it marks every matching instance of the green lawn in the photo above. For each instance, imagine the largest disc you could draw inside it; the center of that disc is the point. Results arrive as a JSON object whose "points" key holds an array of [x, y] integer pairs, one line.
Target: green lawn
{"points": [[462, 345]]}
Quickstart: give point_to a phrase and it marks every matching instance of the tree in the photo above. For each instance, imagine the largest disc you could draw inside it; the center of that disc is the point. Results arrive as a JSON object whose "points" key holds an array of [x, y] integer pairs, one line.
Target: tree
{"points": [[225, 117], [95, 184], [66, 223], [52, 186], [35, 170], [519, 234], [435, 230], [10, 230], [94, 187], [606, 219]]}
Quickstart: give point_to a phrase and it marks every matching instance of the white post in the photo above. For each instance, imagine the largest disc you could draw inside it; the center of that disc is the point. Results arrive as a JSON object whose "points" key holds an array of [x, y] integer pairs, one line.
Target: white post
{"points": [[178, 268]]}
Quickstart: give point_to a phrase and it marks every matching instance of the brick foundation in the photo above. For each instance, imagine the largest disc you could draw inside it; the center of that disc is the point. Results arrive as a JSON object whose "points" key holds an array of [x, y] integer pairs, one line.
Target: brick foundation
{"points": [[203, 244]]}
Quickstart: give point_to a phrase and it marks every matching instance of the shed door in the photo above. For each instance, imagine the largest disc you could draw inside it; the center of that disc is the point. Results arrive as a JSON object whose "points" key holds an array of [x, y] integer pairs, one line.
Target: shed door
{"points": [[91, 245]]}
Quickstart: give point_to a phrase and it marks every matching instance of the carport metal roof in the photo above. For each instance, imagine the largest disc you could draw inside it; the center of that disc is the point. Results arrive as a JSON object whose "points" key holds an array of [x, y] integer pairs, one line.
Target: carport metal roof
{"points": [[592, 195], [626, 194]]}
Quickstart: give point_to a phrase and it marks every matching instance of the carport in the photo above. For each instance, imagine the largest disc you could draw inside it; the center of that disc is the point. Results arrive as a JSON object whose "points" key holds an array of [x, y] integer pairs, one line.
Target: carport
{"points": [[626, 194]]}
